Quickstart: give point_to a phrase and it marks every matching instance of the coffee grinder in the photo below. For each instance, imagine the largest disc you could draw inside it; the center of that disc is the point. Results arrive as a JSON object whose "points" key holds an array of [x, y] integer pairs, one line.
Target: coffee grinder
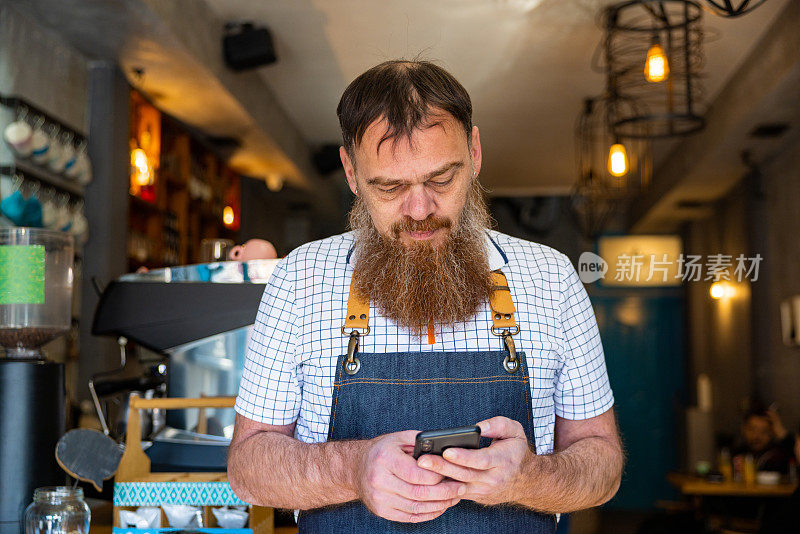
{"points": [[36, 276]]}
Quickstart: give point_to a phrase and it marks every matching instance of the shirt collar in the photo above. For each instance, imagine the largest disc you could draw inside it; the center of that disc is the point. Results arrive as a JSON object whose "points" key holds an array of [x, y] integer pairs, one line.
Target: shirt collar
{"points": [[496, 256]]}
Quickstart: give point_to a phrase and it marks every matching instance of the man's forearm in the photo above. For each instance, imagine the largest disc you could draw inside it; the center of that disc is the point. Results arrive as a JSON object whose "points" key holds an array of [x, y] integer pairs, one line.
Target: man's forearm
{"points": [[273, 469], [585, 474]]}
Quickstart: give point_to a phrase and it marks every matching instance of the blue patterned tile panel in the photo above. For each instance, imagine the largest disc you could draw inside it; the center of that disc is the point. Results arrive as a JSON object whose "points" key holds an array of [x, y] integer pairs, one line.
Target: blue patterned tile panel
{"points": [[191, 493]]}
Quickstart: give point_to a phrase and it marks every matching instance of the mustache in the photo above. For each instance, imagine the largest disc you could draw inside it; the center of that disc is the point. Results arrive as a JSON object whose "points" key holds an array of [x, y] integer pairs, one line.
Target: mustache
{"points": [[429, 224]]}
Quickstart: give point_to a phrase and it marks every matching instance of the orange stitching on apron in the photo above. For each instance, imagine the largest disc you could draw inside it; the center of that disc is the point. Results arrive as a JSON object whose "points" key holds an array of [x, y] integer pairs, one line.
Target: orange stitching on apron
{"points": [[387, 381], [435, 378], [530, 403], [335, 404]]}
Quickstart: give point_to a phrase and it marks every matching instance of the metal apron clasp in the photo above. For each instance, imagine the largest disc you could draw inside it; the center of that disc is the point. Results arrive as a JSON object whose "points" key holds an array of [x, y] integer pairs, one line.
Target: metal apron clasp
{"points": [[510, 362], [352, 364]]}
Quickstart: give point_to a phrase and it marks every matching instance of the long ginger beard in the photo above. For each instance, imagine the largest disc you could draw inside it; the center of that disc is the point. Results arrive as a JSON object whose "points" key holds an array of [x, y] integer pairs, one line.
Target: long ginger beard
{"points": [[417, 283]]}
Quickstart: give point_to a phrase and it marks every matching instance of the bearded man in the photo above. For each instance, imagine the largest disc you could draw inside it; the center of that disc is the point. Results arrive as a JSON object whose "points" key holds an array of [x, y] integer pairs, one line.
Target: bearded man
{"points": [[422, 318]]}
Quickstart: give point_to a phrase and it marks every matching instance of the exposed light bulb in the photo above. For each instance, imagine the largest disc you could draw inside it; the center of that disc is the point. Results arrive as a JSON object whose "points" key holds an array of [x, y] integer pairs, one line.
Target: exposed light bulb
{"points": [[617, 160], [274, 182], [656, 66], [227, 215], [716, 290], [722, 290], [142, 174]]}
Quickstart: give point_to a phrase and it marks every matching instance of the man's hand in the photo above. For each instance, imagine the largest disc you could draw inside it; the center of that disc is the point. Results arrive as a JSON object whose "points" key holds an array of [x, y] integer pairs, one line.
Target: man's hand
{"points": [[490, 473], [777, 424], [393, 486]]}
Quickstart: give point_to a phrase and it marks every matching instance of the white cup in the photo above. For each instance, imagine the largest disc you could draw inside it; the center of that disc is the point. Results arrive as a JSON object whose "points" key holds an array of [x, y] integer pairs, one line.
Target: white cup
{"points": [[56, 159], [84, 168], [49, 210], [75, 169], [40, 146], [18, 135], [80, 226], [70, 158]]}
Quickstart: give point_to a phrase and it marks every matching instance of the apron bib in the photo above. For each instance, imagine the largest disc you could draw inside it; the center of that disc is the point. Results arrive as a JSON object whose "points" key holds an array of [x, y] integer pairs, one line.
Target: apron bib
{"points": [[377, 394]]}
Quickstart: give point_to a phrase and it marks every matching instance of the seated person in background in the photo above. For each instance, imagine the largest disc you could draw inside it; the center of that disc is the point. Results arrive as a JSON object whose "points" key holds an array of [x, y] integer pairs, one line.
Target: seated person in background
{"points": [[765, 437], [780, 515], [254, 249]]}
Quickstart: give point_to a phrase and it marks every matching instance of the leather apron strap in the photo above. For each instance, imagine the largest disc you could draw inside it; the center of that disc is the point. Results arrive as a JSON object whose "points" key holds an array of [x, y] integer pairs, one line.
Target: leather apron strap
{"points": [[500, 302], [504, 324], [502, 305], [357, 311]]}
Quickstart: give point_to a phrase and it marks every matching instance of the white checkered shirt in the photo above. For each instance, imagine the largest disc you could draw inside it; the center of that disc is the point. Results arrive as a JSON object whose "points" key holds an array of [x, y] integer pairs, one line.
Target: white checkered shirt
{"points": [[296, 340]]}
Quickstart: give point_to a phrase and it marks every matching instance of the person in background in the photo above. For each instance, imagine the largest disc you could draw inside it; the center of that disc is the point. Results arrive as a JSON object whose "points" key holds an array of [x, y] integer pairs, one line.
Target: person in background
{"points": [[254, 249], [780, 516], [765, 437]]}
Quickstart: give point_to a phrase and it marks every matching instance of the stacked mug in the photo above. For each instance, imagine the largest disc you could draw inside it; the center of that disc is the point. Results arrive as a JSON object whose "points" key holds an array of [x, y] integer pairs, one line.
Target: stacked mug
{"points": [[28, 203], [48, 145]]}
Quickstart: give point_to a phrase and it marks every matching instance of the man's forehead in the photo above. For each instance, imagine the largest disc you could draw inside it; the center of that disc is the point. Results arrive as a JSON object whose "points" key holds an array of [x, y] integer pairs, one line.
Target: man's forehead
{"points": [[758, 420], [439, 133]]}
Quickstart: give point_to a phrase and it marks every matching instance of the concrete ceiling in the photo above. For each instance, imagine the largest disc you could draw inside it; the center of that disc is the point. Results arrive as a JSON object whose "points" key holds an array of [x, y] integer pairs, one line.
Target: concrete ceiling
{"points": [[526, 64], [176, 45]]}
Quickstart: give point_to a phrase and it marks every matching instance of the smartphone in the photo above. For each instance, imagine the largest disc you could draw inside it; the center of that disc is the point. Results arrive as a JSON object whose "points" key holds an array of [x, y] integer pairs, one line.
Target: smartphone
{"points": [[436, 441]]}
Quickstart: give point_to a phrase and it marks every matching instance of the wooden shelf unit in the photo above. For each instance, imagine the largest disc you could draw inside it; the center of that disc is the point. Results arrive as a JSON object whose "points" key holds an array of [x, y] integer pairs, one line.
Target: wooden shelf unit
{"points": [[179, 217], [134, 467]]}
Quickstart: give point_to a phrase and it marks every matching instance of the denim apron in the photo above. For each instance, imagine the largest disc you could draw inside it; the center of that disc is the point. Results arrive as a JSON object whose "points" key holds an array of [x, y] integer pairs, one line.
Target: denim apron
{"points": [[377, 394]]}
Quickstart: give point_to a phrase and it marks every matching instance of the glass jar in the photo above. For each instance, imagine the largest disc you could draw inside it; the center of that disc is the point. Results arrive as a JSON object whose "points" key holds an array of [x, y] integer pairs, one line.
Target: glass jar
{"points": [[57, 510]]}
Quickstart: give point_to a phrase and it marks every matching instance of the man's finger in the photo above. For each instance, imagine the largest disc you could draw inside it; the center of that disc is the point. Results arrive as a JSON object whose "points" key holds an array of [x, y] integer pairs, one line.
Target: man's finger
{"points": [[405, 517], [407, 437], [480, 459], [447, 469], [410, 506], [445, 490], [405, 468], [500, 427]]}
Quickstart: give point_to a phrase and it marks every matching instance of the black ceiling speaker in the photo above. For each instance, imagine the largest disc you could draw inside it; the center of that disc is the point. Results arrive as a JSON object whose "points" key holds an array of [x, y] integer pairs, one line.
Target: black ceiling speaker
{"points": [[326, 159], [246, 46]]}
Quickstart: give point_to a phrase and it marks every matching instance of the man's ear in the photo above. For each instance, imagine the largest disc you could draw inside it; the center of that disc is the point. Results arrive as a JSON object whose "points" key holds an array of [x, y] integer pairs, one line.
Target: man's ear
{"points": [[349, 170], [475, 150]]}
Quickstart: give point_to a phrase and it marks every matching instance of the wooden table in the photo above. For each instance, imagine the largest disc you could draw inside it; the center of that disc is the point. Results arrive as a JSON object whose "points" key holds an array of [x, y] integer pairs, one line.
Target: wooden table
{"points": [[702, 492], [696, 486]]}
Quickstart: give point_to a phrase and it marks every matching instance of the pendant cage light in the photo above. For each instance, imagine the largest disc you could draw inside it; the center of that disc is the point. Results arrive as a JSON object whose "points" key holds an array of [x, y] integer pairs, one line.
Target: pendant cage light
{"points": [[653, 54], [591, 207], [595, 137], [726, 8], [599, 193]]}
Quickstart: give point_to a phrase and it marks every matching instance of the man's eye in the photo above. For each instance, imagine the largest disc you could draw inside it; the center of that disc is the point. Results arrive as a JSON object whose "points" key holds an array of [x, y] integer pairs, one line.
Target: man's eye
{"points": [[442, 183], [389, 189]]}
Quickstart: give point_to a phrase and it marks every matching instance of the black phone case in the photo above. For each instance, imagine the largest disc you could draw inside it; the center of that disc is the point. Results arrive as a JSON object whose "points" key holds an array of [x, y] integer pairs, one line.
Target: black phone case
{"points": [[436, 441]]}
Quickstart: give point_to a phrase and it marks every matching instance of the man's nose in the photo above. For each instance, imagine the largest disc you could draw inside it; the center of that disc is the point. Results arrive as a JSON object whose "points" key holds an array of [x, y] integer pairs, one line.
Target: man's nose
{"points": [[419, 204]]}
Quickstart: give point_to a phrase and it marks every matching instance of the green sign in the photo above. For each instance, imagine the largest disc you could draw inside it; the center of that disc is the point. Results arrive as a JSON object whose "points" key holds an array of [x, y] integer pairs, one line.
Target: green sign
{"points": [[21, 274]]}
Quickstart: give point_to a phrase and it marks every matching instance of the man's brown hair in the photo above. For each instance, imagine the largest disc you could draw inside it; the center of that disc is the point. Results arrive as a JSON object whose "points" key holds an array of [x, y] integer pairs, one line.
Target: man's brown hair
{"points": [[407, 94]]}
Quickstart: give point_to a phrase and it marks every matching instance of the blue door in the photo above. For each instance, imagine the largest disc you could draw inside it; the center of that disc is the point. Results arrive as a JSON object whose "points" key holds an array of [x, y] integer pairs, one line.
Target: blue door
{"points": [[643, 337]]}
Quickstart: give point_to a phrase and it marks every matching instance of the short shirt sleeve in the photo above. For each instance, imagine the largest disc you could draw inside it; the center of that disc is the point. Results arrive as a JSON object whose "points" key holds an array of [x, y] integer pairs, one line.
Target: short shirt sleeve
{"points": [[270, 389], [582, 388]]}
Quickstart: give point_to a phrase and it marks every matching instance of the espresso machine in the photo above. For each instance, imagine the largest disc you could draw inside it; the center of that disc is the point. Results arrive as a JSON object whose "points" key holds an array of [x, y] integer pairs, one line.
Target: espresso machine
{"points": [[199, 317], [36, 277]]}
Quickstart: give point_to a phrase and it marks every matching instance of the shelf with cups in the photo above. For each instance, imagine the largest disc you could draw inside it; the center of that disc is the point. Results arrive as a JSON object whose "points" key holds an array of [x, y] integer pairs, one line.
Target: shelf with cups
{"points": [[43, 176], [29, 201], [44, 167], [44, 148]]}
